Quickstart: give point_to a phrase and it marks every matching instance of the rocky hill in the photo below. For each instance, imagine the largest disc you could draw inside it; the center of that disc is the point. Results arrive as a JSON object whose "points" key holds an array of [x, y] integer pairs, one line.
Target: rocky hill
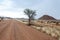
{"points": [[47, 17]]}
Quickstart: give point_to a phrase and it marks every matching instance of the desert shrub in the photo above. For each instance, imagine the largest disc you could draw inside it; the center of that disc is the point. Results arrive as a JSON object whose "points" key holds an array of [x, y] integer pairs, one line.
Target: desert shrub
{"points": [[57, 23], [1, 18]]}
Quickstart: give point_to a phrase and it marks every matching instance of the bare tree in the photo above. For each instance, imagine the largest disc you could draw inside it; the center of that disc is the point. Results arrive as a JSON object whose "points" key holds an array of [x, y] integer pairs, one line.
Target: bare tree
{"points": [[30, 14]]}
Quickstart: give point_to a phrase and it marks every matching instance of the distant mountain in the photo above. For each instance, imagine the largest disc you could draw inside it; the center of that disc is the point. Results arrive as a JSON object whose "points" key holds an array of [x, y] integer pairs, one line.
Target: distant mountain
{"points": [[23, 19], [47, 17]]}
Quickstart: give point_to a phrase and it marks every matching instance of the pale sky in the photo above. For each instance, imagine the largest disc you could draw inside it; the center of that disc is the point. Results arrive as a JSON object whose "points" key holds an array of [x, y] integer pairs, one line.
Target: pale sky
{"points": [[15, 8]]}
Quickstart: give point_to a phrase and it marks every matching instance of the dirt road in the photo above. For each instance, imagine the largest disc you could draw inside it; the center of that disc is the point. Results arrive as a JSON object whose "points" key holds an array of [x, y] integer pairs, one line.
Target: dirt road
{"points": [[14, 30]]}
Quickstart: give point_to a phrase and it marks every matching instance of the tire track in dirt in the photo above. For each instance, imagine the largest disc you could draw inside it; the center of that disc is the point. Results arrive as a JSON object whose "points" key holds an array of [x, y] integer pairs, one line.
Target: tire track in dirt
{"points": [[3, 25], [13, 32], [6, 32], [16, 34], [19, 34]]}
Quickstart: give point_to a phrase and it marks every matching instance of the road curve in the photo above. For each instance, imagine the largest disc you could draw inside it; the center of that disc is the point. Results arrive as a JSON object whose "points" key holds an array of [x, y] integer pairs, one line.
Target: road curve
{"points": [[14, 30]]}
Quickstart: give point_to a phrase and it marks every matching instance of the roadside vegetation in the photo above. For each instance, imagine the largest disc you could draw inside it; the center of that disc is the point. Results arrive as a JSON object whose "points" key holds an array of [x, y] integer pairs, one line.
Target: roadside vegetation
{"points": [[50, 29]]}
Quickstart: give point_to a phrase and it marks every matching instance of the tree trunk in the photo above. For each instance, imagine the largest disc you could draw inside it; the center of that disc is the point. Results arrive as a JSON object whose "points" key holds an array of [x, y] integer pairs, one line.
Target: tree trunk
{"points": [[29, 22]]}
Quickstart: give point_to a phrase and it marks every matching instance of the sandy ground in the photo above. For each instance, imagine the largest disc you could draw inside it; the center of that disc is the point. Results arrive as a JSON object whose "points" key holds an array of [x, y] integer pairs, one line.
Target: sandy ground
{"points": [[14, 30]]}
